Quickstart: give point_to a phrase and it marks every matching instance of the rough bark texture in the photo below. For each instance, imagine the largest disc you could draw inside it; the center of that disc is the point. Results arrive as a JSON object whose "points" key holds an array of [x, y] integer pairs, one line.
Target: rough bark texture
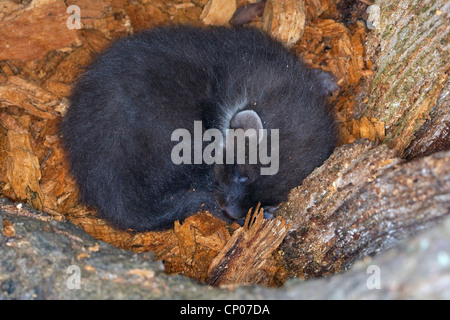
{"points": [[434, 135], [36, 252], [410, 51], [361, 203]]}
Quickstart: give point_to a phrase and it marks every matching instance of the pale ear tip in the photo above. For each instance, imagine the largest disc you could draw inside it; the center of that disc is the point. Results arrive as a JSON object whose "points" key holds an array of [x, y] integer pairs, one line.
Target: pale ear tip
{"points": [[327, 81], [246, 119]]}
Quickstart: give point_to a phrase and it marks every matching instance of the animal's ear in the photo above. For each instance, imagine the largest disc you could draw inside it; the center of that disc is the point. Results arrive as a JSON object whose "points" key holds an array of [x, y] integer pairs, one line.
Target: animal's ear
{"points": [[247, 119], [327, 81]]}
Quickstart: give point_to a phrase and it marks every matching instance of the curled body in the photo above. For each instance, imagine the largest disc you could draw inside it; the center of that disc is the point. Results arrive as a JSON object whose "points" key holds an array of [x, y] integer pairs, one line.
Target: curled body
{"points": [[124, 109]]}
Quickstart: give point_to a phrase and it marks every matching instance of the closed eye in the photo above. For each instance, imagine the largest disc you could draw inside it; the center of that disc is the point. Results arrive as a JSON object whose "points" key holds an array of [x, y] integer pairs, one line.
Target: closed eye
{"points": [[243, 179]]}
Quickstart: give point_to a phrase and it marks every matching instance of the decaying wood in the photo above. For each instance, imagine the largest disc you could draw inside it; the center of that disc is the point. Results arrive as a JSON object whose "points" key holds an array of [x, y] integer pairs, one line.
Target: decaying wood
{"points": [[247, 256], [200, 238], [284, 20], [434, 135], [350, 10], [218, 12], [410, 50], [60, 189], [350, 131], [22, 169], [339, 48], [360, 202], [52, 32], [36, 101], [186, 249], [314, 8]]}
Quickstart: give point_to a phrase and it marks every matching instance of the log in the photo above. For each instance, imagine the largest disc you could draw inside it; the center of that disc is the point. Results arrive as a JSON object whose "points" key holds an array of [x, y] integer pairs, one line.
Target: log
{"points": [[410, 51], [362, 201], [434, 135], [37, 251]]}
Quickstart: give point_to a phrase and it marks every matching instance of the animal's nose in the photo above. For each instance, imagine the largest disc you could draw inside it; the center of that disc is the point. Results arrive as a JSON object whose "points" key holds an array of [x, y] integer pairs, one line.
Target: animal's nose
{"points": [[230, 214], [269, 211]]}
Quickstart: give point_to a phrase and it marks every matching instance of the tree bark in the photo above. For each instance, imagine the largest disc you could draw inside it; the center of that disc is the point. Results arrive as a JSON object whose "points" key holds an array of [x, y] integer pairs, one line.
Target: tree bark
{"points": [[361, 203], [410, 51], [434, 135], [37, 251]]}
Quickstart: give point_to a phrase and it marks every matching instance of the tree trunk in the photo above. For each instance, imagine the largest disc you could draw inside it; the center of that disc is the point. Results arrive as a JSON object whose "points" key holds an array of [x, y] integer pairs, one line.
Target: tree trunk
{"points": [[350, 209], [410, 51], [362, 201]]}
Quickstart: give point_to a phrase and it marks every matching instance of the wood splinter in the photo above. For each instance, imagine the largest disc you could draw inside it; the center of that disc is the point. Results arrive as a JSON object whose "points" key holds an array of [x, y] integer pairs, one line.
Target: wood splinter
{"points": [[247, 256]]}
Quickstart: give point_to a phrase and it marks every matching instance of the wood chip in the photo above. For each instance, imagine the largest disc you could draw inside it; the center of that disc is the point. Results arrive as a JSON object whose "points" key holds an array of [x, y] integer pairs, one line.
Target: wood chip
{"points": [[284, 20], [246, 258], [8, 229], [218, 12], [23, 170]]}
